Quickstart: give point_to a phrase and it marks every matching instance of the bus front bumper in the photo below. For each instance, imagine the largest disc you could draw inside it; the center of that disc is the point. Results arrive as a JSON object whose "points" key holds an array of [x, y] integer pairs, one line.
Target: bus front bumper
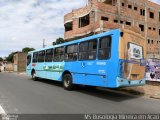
{"points": [[126, 83]]}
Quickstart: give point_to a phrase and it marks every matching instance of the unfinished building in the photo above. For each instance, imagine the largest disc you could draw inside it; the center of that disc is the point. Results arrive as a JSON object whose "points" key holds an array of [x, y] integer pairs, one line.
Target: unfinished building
{"points": [[141, 16]]}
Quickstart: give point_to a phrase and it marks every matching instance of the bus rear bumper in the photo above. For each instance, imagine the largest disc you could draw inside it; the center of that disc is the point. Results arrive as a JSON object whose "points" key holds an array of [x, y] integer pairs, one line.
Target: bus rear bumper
{"points": [[126, 83]]}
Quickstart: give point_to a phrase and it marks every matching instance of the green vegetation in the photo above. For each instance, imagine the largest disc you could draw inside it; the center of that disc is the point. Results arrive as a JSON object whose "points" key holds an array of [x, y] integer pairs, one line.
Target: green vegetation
{"points": [[27, 49], [9, 58], [58, 41], [1, 59]]}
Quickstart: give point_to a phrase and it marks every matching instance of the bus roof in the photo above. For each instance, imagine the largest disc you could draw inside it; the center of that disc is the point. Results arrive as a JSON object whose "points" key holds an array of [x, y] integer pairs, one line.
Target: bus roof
{"points": [[79, 40], [89, 38]]}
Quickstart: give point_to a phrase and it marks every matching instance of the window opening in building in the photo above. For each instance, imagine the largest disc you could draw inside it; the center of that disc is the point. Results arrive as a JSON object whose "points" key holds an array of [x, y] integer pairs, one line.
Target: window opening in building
{"points": [[68, 26], [152, 41], [111, 2], [141, 27], [135, 8], [142, 12], [104, 18], [84, 21], [130, 6], [128, 23], [151, 15], [121, 22], [115, 21]]}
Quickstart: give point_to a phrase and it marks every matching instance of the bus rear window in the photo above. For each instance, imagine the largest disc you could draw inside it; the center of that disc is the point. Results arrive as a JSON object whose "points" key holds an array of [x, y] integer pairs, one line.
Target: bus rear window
{"points": [[104, 51]]}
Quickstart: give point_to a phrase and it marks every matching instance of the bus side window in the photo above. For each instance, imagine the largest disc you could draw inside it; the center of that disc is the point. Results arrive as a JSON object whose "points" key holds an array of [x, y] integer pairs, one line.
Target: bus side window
{"points": [[104, 51], [28, 59], [92, 50], [35, 57], [83, 48], [87, 50], [58, 54], [71, 52], [49, 55], [41, 56]]}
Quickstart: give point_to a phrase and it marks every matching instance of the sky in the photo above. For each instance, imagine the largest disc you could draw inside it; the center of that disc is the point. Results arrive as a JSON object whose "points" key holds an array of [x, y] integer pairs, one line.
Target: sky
{"points": [[25, 23]]}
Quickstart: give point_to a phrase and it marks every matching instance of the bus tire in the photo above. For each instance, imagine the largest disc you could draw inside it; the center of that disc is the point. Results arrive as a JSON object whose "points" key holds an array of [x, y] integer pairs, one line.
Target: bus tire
{"points": [[67, 82], [34, 78]]}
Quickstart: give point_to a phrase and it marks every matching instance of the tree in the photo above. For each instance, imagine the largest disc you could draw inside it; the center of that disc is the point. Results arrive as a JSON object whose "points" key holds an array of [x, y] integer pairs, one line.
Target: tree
{"points": [[53, 43], [27, 49], [1, 59], [58, 41], [10, 57]]}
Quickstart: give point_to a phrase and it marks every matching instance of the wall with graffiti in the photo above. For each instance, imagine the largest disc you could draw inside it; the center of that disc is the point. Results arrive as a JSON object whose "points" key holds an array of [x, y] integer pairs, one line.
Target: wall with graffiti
{"points": [[153, 70]]}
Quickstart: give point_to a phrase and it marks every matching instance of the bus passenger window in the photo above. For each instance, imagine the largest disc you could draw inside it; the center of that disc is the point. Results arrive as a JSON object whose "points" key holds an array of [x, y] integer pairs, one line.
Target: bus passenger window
{"points": [[104, 51], [35, 57], [58, 54], [83, 47], [41, 56], [71, 52], [49, 55], [88, 50], [92, 50]]}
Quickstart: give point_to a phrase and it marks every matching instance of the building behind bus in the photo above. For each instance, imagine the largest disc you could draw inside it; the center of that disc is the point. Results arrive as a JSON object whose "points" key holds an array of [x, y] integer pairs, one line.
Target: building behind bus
{"points": [[102, 15]]}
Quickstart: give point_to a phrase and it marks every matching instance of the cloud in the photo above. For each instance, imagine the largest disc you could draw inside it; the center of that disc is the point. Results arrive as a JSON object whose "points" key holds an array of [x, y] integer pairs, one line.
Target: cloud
{"points": [[25, 23], [156, 1]]}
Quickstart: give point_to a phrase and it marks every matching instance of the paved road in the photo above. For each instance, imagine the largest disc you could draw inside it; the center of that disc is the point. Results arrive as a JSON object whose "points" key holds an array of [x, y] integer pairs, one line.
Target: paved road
{"points": [[19, 94]]}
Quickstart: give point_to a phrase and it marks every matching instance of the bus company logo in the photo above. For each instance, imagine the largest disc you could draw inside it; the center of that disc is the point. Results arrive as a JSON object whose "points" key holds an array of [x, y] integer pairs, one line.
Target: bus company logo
{"points": [[33, 65], [101, 63]]}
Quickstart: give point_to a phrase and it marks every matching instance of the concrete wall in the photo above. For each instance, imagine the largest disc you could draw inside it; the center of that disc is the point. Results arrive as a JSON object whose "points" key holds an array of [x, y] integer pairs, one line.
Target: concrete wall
{"points": [[20, 62], [9, 67]]}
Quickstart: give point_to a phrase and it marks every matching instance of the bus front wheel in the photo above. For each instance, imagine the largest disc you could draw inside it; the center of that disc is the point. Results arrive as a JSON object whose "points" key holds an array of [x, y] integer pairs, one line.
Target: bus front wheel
{"points": [[67, 82]]}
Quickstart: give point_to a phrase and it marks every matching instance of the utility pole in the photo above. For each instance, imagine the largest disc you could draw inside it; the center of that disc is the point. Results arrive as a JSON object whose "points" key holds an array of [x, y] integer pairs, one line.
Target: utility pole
{"points": [[119, 10], [146, 27], [44, 43], [86, 2]]}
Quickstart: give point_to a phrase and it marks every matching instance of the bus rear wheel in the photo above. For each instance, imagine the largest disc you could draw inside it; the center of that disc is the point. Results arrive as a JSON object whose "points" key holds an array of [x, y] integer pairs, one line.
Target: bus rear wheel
{"points": [[67, 81], [34, 76]]}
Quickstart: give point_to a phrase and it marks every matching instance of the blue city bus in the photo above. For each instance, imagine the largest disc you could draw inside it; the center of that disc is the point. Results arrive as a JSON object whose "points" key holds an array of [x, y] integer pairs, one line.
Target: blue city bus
{"points": [[111, 59]]}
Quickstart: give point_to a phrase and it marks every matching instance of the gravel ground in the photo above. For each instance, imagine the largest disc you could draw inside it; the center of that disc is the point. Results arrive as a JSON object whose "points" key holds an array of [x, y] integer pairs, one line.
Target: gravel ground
{"points": [[151, 90]]}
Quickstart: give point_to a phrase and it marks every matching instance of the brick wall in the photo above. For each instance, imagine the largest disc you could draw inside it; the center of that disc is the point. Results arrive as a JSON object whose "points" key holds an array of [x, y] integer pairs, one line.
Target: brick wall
{"points": [[118, 17], [20, 61]]}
